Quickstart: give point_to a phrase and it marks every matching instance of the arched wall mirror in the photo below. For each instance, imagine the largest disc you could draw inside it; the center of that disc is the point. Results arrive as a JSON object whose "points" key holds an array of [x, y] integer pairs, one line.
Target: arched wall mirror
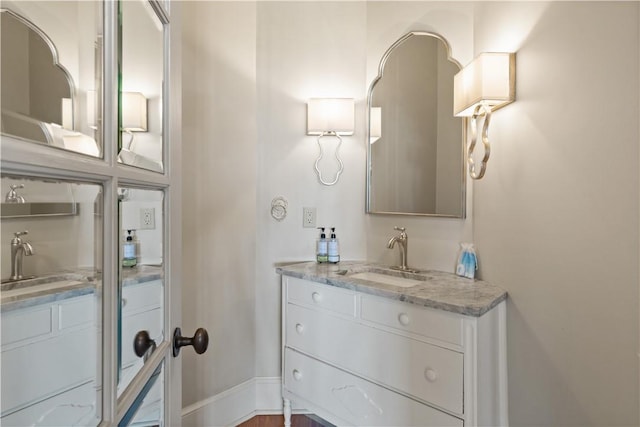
{"points": [[51, 83], [415, 150]]}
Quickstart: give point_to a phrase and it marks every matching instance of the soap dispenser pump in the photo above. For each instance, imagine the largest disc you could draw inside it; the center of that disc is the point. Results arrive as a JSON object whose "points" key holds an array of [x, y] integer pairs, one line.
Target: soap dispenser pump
{"points": [[333, 248], [321, 247]]}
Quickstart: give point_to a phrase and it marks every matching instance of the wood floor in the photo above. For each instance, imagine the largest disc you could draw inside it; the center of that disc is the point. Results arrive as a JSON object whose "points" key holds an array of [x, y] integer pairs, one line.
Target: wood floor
{"points": [[278, 421]]}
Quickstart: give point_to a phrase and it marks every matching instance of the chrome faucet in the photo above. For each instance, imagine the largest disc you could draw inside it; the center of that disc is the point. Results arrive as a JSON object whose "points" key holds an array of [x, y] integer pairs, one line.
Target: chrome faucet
{"points": [[13, 196], [402, 239], [18, 250]]}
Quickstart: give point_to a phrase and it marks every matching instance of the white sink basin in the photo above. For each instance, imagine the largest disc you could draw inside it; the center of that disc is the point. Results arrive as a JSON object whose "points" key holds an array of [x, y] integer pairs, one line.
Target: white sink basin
{"points": [[386, 279]]}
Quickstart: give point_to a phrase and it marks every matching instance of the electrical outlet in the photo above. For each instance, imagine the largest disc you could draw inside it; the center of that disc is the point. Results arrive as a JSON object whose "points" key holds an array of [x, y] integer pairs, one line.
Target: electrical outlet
{"points": [[309, 217], [147, 219]]}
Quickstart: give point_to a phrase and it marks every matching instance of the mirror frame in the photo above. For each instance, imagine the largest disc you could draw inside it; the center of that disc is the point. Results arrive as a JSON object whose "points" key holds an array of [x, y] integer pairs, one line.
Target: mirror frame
{"points": [[383, 62]]}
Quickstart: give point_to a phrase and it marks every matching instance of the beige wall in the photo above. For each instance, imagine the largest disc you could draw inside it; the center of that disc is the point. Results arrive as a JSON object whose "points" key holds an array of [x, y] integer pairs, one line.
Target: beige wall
{"points": [[556, 216], [219, 193], [555, 219]]}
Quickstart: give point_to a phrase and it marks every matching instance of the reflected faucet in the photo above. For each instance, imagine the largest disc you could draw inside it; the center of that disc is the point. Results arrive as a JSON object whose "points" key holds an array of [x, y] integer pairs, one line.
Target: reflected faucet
{"points": [[18, 250], [13, 196], [402, 239]]}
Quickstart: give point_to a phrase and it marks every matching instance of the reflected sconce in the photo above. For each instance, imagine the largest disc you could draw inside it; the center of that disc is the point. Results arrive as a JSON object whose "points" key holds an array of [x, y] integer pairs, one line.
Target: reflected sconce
{"points": [[483, 86], [134, 114], [375, 124], [330, 117], [67, 113]]}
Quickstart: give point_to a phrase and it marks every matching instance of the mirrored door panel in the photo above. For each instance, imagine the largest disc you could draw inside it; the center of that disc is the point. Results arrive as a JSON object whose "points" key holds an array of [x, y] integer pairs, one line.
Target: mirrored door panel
{"points": [[142, 76], [140, 318], [148, 409], [51, 77], [50, 305]]}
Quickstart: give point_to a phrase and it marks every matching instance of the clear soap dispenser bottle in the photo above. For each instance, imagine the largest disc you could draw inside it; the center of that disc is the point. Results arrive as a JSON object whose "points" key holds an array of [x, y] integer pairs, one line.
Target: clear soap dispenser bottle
{"points": [[321, 247], [129, 252], [333, 248]]}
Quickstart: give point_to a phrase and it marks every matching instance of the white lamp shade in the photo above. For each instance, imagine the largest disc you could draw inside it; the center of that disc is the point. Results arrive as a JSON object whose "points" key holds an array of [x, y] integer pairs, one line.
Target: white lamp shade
{"points": [[134, 112], [67, 113], [489, 79], [330, 115], [375, 125]]}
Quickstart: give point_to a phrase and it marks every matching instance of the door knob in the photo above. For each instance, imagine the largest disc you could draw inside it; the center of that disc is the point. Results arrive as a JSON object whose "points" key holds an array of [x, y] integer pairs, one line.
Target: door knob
{"points": [[199, 341], [143, 342]]}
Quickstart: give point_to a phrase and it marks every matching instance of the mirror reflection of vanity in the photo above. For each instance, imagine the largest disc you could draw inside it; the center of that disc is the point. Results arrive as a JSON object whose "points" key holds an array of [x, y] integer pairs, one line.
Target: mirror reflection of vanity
{"points": [[415, 155]]}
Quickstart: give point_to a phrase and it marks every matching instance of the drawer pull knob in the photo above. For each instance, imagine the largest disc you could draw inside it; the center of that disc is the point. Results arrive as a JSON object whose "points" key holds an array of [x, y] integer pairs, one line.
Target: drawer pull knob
{"points": [[431, 374], [403, 318], [299, 328], [297, 375], [316, 297]]}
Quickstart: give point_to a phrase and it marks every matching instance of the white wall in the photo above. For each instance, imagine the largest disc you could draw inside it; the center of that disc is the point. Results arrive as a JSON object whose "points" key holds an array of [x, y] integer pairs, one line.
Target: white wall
{"points": [[305, 50], [556, 216], [219, 193], [555, 219]]}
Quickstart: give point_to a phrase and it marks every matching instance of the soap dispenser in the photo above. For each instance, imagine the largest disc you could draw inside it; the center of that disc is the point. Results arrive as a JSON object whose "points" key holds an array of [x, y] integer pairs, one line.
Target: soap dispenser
{"points": [[129, 252], [321, 247], [333, 248]]}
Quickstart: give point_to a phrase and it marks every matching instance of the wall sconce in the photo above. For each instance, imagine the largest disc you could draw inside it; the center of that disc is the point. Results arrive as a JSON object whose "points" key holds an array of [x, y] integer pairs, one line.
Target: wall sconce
{"points": [[375, 121], [134, 114], [330, 117], [483, 86]]}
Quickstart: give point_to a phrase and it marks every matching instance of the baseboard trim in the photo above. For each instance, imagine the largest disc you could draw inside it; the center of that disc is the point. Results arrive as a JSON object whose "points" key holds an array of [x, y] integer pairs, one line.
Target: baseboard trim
{"points": [[257, 396]]}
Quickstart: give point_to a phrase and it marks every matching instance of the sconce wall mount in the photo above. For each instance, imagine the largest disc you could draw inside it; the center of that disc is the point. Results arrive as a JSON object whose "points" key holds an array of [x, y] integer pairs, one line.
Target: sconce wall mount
{"points": [[482, 87]]}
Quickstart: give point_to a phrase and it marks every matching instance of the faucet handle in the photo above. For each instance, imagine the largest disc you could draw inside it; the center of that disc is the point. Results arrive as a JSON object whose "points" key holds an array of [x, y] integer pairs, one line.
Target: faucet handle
{"points": [[399, 228], [21, 233], [16, 186]]}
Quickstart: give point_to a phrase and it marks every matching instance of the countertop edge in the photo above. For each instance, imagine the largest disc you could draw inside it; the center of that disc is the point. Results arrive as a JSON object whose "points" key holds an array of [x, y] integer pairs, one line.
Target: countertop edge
{"points": [[472, 309]]}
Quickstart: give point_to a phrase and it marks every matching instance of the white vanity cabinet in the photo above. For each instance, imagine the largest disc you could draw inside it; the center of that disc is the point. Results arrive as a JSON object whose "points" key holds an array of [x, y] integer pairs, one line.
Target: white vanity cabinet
{"points": [[49, 363], [357, 359]]}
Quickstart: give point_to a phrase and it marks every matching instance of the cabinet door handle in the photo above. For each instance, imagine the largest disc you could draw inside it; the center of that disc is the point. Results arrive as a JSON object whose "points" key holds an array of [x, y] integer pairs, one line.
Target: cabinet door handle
{"points": [[431, 374], [297, 375], [142, 342], [299, 328], [316, 297], [403, 318]]}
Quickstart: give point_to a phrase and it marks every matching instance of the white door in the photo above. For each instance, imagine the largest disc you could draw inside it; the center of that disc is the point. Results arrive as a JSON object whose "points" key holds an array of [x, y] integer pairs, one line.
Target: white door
{"points": [[99, 133]]}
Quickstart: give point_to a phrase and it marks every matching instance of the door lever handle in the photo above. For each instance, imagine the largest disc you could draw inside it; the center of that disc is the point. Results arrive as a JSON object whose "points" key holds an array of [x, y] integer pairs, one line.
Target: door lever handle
{"points": [[199, 341]]}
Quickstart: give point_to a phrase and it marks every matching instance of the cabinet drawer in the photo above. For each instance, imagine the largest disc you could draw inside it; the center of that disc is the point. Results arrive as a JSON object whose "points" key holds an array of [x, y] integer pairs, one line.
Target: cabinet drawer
{"points": [[47, 367], [428, 372], [145, 295], [77, 311], [321, 296], [355, 400], [24, 324], [408, 317]]}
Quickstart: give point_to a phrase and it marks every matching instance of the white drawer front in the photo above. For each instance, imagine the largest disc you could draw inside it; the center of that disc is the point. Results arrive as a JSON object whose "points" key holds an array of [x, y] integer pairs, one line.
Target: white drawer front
{"points": [[321, 296], [407, 317], [24, 324], [355, 400], [428, 372], [145, 295], [48, 366], [77, 311]]}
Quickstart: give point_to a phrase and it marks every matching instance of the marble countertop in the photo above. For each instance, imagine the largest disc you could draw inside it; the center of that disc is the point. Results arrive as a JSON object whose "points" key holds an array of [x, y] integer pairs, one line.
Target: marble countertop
{"points": [[436, 289], [64, 285]]}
